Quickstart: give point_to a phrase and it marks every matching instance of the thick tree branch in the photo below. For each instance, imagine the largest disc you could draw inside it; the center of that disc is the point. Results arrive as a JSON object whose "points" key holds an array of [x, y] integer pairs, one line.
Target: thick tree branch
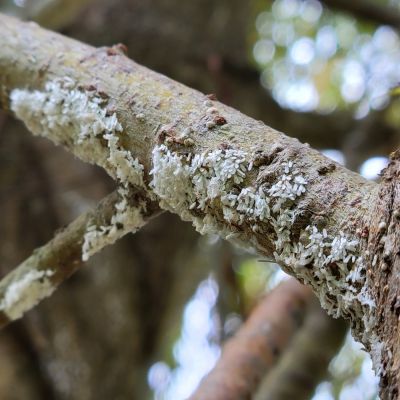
{"points": [[258, 345], [39, 275], [210, 164], [150, 109]]}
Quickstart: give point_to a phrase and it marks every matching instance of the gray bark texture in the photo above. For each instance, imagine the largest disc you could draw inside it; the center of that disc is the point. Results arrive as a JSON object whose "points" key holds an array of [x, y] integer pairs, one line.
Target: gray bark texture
{"points": [[272, 192]]}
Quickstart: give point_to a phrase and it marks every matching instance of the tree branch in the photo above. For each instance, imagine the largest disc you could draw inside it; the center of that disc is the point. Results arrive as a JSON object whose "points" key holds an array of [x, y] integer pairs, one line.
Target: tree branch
{"points": [[305, 363], [207, 162], [39, 275], [104, 93], [258, 344]]}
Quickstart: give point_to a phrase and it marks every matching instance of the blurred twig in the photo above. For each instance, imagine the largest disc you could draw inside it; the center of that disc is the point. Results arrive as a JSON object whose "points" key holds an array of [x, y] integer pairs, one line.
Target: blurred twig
{"points": [[305, 363], [258, 345]]}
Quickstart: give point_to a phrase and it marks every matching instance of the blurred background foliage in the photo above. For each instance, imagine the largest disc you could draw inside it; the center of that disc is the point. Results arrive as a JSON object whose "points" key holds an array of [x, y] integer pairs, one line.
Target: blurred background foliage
{"points": [[312, 60], [315, 59]]}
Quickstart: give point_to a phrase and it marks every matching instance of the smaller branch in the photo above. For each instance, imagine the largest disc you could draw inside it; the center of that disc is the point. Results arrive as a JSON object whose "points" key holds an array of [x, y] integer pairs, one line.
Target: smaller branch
{"points": [[305, 363], [258, 345], [368, 10], [39, 275]]}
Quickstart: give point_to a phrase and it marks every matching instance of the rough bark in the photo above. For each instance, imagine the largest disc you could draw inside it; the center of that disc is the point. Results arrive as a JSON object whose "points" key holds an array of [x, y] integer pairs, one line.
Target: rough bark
{"points": [[219, 63], [294, 204], [383, 249]]}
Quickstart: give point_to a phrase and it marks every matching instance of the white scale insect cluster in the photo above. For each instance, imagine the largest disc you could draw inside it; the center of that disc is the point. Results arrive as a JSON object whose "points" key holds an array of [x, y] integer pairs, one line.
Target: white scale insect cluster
{"points": [[211, 184], [25, 292], [61, 105], [213, 181], [62, 110], [126, 219]]}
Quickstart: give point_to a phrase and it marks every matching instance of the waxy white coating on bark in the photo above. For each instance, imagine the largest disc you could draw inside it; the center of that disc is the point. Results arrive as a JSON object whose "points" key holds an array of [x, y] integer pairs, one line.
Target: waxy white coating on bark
{"points": [[25, 292], [126, 219], [212, 182], [63, 106], [208, 184]]}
